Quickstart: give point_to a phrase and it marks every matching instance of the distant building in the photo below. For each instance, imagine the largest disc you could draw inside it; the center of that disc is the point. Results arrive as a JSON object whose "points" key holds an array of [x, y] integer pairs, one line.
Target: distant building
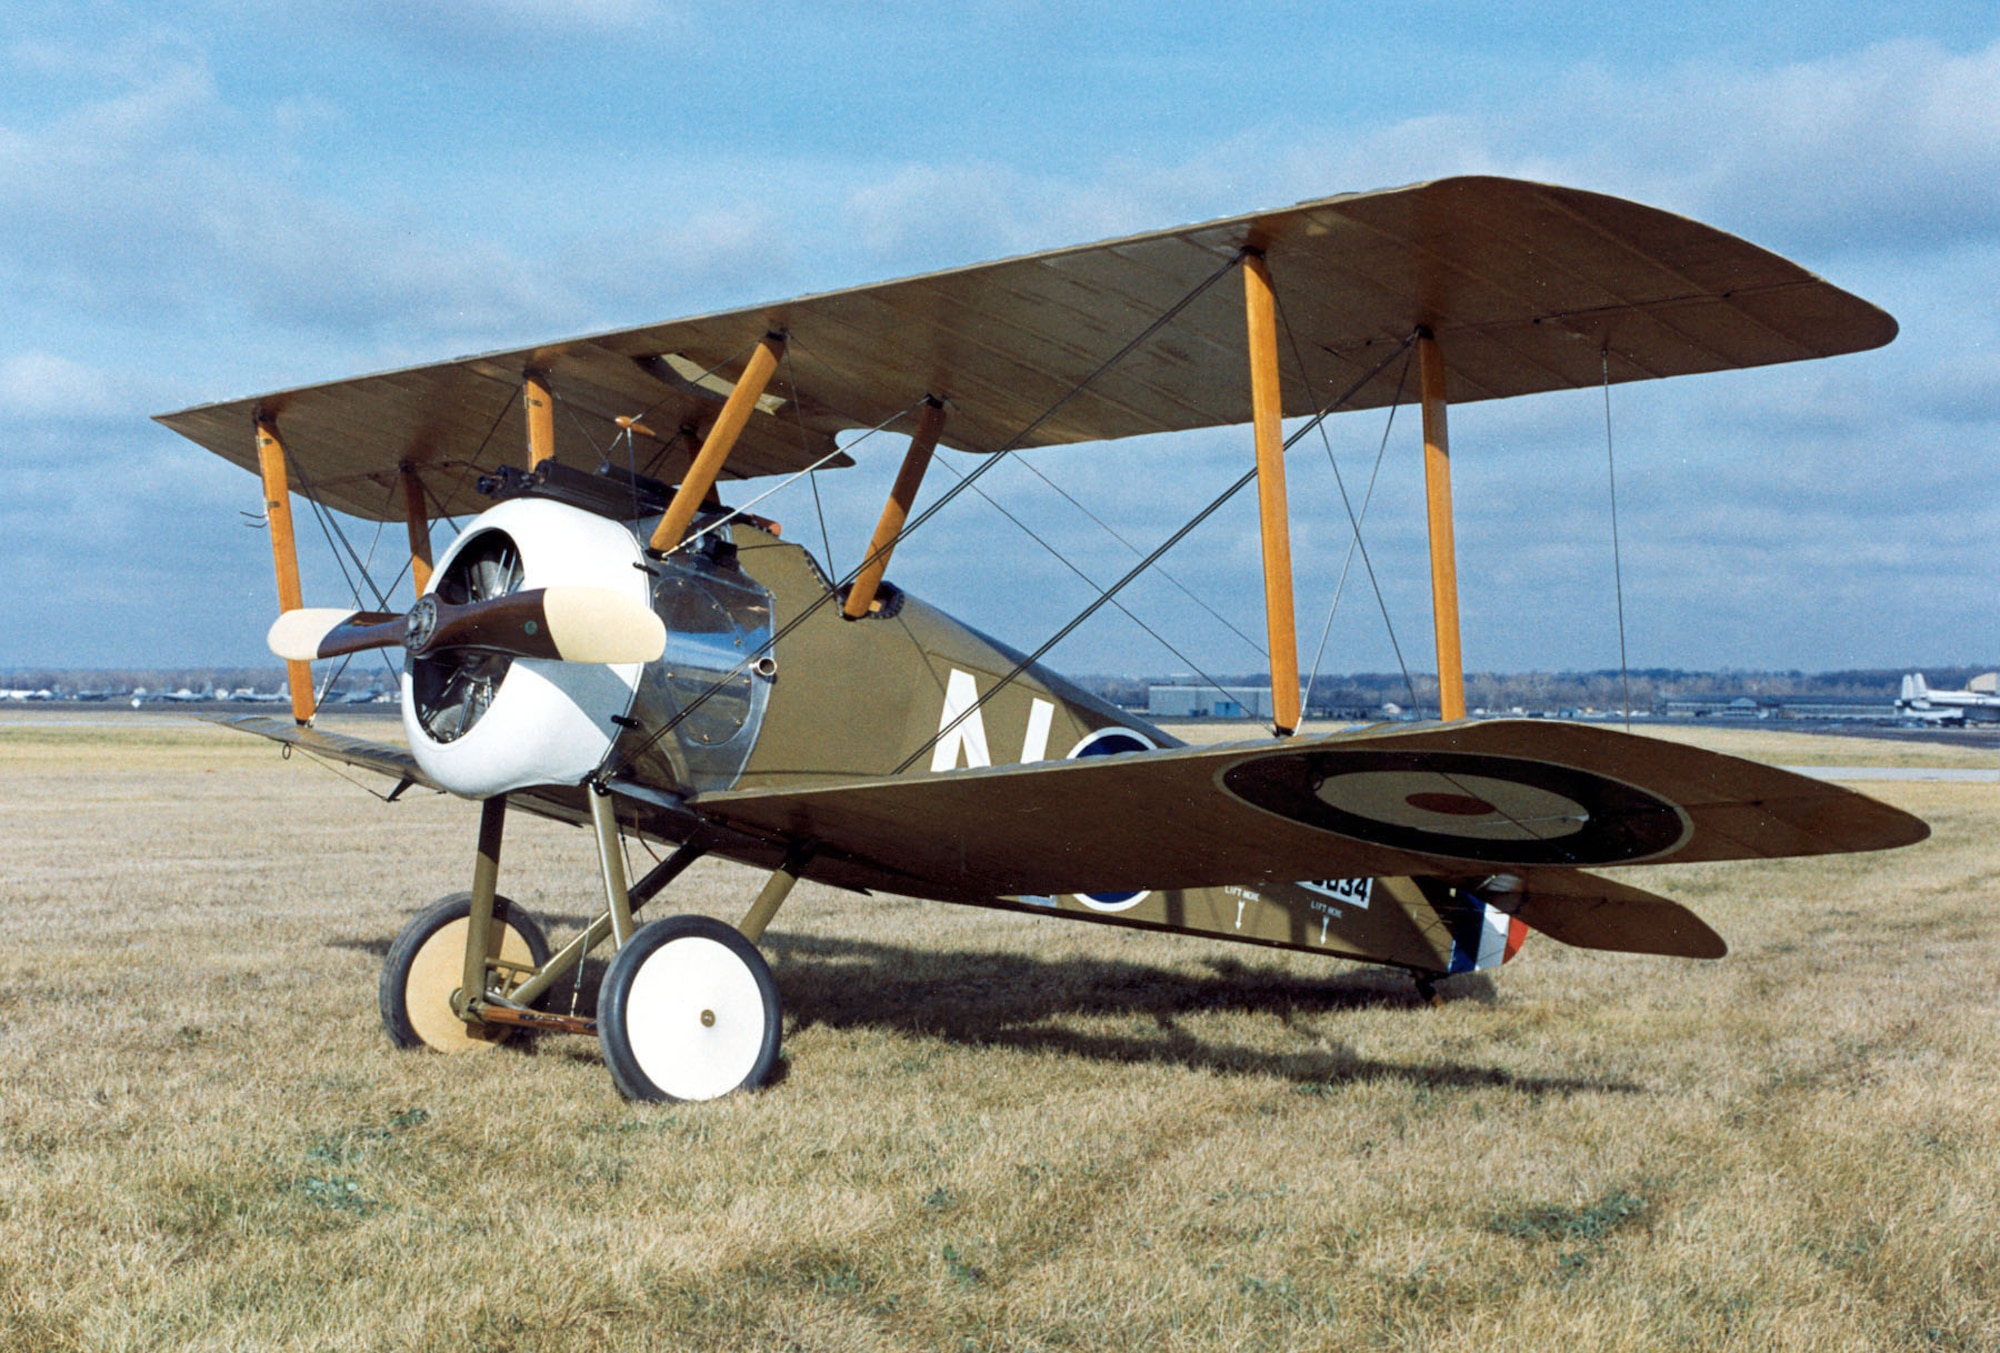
{"points": [[1206, 702]]}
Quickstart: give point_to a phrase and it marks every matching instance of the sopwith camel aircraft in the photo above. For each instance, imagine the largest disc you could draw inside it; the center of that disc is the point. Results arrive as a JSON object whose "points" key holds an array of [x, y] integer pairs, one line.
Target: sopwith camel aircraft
{"points": [[607, 644]]}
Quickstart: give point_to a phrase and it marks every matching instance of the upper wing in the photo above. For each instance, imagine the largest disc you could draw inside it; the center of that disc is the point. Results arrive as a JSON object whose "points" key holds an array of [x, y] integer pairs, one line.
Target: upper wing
{"points": [[1529, 287], [1439, 800]]}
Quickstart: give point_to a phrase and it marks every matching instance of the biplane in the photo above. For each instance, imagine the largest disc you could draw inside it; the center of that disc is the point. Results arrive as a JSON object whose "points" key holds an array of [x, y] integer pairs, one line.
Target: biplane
{"points": [[605, 643]]}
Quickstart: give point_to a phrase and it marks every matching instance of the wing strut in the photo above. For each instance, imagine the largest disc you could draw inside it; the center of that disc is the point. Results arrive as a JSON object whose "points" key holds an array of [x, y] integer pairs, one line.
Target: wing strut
{"points": [[700, 477], [284, 554], [1266, 414], [1444, 551], [861, 596], [417, 517], [540, 406]]}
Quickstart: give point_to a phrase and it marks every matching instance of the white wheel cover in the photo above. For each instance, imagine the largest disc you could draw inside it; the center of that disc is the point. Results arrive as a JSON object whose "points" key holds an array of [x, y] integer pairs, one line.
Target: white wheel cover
{"points": [[678, 984]]}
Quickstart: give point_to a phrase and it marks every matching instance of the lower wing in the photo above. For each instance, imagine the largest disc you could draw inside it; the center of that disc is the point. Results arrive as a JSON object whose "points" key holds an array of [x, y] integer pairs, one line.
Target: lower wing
{"points": [[1442, 800]]}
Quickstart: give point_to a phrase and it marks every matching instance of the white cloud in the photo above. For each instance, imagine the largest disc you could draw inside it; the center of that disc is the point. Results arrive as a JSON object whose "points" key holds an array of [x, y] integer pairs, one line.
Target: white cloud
{"points": [[40, 384]]}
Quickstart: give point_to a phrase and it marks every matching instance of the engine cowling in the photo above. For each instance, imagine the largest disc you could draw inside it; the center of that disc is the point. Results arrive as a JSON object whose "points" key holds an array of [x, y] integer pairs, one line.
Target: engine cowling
{"points": [[482, 723]]}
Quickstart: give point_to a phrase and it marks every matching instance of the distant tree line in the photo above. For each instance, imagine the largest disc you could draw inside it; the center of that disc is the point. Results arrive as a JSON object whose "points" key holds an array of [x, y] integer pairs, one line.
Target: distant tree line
{"points": [[71, 681], [1332, 694]]}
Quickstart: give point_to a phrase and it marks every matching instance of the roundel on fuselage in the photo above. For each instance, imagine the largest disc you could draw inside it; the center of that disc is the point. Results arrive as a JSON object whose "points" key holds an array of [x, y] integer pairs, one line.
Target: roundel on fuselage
{"points": [[1110, 742]]}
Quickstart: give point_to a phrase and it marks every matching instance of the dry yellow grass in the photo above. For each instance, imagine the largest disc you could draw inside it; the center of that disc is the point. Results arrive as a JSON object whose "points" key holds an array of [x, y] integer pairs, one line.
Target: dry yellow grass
{"points": [[994, 1131]]}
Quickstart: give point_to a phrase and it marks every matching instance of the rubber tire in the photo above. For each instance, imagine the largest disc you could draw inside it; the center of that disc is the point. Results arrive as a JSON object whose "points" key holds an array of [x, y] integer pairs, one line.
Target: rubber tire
{"points": [[394, 993], [674, 941]]}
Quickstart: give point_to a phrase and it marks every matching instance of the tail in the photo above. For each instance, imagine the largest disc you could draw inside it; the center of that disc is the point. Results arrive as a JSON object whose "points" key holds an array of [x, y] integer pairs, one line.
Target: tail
{"points": [[1483, 936]]}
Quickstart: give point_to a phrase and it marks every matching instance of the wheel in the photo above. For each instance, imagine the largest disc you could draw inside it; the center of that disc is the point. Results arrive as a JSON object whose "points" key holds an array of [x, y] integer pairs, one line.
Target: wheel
{"points": [[688, 1010], [1427, 991], [426, 965]]}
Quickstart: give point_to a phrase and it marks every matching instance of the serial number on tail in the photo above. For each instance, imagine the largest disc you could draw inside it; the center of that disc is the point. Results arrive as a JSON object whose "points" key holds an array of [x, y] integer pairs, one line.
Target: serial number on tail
{"points": [[1353, 892]]}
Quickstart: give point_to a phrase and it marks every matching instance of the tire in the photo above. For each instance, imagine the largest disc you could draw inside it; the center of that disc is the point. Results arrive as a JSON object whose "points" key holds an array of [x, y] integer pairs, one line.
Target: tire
{"points": [[688, 1011], [426, 965]]}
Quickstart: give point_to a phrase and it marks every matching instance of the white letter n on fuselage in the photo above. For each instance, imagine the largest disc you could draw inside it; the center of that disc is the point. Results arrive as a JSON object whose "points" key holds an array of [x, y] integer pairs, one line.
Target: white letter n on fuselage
{"points": [[962, 727]]}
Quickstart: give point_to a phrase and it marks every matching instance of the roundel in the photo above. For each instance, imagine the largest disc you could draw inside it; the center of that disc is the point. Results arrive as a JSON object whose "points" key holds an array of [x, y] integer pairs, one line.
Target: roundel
{"points": [[1110, 742], [1494, 809]]}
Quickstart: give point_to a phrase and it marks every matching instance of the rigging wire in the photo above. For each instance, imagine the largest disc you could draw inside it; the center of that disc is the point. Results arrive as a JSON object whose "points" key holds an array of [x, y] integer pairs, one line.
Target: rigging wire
{"points": [[805, 449], [329, 526], [1347, 563], [733, 513], [1094, 584], [1617, 563], [603, 452], [1006, 450], [1034, 470], [324, 764], [1354, 521], [1248, 477]]}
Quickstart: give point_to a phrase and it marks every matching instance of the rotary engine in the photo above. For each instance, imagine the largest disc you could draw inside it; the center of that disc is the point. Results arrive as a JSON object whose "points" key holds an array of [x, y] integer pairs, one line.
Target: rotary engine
{"points": [[482, 722]]}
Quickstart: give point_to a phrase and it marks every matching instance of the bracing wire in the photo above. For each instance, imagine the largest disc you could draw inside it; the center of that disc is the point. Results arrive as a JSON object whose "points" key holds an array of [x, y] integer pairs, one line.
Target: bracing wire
{"points": [[733, 513], [825, 537], [1093, 584], [1111, 531], [1000, 454], [1094, 607], [1353, 541], [812, 472], [1354, 521], [330, 527], [1617, 562]]}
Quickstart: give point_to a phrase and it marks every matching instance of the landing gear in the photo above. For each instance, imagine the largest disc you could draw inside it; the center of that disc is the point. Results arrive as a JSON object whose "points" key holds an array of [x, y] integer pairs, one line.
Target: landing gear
{"points": [[426, 966], [1427, 990], [688, 1011]]}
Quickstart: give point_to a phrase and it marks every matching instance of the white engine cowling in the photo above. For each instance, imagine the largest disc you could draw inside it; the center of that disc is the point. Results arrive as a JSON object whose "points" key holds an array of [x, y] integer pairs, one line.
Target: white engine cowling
{"points": [[483, 724]]}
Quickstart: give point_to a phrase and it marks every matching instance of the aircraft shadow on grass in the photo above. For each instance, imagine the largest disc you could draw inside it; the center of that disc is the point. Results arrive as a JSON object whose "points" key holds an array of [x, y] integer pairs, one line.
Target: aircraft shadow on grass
{"points": [[1007, 1000]]}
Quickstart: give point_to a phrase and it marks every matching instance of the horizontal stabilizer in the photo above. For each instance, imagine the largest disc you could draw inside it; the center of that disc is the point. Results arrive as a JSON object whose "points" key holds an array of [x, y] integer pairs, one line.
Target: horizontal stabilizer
{"points": [[1590, 912]]}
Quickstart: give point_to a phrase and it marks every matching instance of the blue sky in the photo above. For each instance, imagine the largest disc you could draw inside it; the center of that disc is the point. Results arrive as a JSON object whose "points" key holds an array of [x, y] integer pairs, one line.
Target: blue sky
{"points": [[237, 198]]}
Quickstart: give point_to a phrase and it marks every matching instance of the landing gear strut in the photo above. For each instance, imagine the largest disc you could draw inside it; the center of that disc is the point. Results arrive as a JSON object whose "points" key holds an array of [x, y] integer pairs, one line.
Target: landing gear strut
{"points": [[687, 1010], [1427, 990]]}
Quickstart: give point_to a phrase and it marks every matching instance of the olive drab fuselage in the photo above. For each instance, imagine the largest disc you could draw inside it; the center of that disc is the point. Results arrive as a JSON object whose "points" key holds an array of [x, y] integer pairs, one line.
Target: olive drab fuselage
{"points": [[838, 701]]}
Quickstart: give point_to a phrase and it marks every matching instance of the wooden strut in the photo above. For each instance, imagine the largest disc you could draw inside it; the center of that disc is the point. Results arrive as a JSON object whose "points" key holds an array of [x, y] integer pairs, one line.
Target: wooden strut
{"points": [[1444, 550], [546, 1021], [417, 517], [284, 554], [540, 407], [729, 424], [861, 596], [1266, 417]]}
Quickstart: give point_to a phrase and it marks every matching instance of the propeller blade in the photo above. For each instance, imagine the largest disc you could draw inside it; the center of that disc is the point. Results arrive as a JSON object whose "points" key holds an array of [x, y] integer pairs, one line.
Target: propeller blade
{"points": [[317, 632], [573, 624], [595, 624]]}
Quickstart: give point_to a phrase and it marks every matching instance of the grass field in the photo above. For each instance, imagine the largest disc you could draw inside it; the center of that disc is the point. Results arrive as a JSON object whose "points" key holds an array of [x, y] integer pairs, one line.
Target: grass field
{"points": [[993, 1132]]}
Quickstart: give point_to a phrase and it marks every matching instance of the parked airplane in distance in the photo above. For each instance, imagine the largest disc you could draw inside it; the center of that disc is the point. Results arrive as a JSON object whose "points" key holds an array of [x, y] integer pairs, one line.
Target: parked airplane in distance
{"points": [[1979, 700]]}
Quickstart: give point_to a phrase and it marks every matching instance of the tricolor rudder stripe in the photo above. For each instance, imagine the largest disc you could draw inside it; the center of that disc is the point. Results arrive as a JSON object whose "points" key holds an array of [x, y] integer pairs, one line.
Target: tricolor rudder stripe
{"points": [[1483, 936]]}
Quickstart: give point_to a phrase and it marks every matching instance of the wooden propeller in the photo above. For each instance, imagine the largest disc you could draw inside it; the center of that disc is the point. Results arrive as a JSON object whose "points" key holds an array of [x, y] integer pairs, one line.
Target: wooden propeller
{"points": [[571, 624]]}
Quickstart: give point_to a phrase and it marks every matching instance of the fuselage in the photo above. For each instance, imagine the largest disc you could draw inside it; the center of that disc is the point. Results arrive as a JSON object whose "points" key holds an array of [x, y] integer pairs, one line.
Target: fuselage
{"points": [[765, 685]]}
